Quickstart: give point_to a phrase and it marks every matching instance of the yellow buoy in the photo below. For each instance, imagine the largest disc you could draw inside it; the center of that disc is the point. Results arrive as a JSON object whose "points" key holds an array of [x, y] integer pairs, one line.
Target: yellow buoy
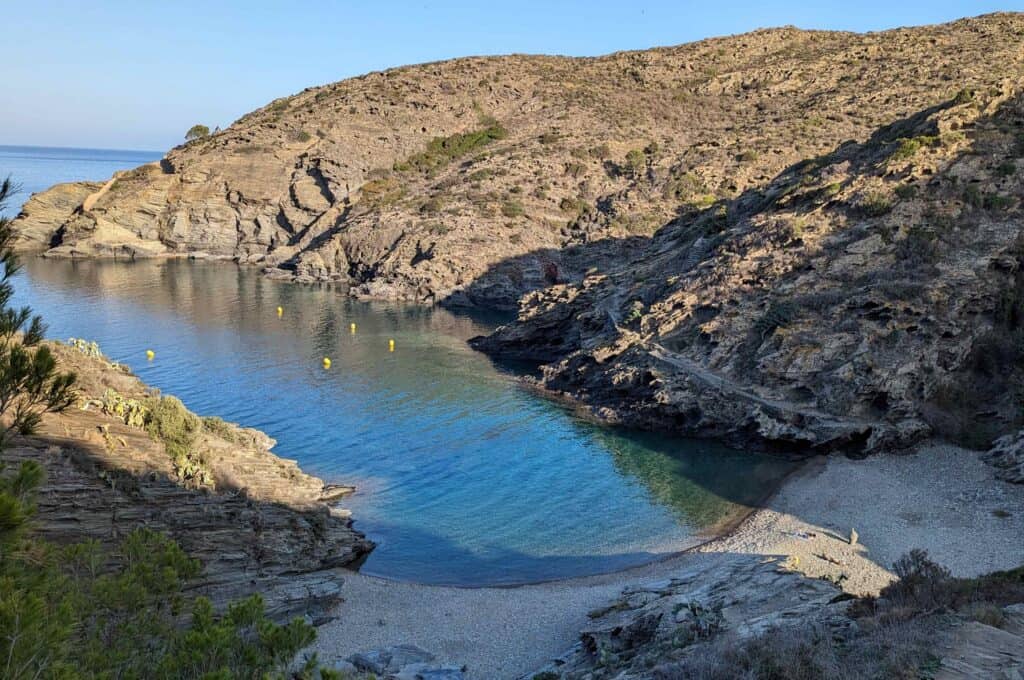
{"points": [[150, 354], [352, 329], [327, 362], [391, 345], [280, 311]]}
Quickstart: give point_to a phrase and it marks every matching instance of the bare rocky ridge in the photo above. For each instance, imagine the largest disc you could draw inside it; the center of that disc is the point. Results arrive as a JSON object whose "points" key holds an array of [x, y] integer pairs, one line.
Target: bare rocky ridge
{"points": [[259, 525], [475, 180], [860, 301]]}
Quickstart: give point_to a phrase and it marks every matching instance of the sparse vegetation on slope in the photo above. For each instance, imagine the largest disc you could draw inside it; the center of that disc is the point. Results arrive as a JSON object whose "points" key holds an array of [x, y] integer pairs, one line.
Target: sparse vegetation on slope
{"points": [[859, 301], [350, 181]]}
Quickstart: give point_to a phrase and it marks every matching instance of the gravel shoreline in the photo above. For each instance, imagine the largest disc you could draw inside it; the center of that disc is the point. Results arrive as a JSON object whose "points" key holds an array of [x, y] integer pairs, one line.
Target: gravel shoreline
{"points": [[940, 498]]}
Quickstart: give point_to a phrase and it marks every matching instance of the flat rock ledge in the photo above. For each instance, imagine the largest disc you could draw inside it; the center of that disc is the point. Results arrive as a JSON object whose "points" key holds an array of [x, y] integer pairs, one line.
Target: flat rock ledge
{"points": [[743, 594], [262, 525], [739, 597]]}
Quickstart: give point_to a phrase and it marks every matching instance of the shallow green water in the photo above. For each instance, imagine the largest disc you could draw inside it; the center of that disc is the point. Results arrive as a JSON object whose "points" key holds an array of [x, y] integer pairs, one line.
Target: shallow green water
{"points": [[463, 477]]}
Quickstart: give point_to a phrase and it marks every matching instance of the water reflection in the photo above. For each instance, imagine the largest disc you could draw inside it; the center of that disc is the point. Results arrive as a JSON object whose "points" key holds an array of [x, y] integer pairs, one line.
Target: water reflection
{"points": [[464, 478]]}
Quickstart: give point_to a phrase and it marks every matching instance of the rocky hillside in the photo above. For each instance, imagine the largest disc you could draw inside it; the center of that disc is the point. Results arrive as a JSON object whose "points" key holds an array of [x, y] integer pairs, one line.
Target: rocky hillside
{"points": [[744, 617], [860, 300], [478, 179]]}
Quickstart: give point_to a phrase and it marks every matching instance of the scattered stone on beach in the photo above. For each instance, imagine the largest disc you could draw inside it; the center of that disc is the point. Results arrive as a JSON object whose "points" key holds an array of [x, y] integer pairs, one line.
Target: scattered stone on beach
{"points": [[854, 536], [393, 660]]}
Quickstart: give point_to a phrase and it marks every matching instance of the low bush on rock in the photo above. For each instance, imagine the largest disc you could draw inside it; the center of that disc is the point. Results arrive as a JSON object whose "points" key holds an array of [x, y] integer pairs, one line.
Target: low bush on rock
{"points": [[77, 612]]}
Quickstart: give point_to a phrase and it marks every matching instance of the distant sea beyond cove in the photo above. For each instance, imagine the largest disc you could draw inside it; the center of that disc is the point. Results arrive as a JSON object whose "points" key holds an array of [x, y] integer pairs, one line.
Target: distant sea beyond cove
{"points": [[35, 168]]}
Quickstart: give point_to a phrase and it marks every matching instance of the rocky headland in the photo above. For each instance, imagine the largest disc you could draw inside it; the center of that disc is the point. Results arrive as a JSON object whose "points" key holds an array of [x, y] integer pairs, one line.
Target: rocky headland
{"points": [[256, 521]]}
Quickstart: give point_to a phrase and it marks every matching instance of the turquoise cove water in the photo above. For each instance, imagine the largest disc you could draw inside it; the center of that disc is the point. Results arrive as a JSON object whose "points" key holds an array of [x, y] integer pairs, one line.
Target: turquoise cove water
{"points": [[463, 477]]}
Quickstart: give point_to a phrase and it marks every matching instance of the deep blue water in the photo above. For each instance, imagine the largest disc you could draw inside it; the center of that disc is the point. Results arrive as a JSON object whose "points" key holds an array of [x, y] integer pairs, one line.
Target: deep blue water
{"points": [[34, 168], [463, 477]]}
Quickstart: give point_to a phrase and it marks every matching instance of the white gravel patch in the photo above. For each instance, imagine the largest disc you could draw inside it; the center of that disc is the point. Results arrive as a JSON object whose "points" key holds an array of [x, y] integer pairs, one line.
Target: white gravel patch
{"points": [[940, 498]]}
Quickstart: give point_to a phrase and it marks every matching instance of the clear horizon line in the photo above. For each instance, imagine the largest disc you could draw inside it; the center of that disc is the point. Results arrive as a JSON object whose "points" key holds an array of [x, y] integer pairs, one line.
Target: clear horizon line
{"points": [[79, 148]]}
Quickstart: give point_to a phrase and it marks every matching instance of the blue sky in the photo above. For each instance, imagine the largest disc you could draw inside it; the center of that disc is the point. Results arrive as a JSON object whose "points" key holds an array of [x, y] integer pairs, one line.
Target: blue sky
{"points": [[136, 74]]}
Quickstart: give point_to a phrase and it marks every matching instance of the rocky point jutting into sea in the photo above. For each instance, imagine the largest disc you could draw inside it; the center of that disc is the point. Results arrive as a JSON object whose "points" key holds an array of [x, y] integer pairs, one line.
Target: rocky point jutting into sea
{"points": [[791, 241], [256, 521]]}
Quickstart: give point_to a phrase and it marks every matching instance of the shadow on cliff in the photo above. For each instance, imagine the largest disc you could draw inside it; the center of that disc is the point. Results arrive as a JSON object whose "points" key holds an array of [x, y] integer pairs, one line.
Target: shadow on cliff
{"points": [[871, 295], [102, 492], [506, 281]]}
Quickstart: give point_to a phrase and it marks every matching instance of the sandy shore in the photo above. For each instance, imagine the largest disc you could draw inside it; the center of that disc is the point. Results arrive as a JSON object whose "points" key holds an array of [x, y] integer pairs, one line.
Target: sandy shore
{"points": [[940, 498]]}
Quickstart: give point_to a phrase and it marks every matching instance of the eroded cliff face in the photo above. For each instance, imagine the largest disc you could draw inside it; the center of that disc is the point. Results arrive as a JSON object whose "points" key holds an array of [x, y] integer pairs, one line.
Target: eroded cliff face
{"points": [[861, 300], [476, 180]]}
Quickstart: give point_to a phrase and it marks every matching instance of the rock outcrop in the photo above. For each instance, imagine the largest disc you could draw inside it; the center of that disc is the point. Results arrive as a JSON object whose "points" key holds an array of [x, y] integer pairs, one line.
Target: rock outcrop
{"points": [[861, 300], [1007, 456], [257, 524], [475, 180], [655, 623], [750, 616]]}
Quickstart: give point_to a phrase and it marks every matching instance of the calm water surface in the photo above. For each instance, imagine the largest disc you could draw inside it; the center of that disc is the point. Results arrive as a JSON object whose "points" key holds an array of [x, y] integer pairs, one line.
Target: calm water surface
{"points": [[34, 168], [463, 477]]}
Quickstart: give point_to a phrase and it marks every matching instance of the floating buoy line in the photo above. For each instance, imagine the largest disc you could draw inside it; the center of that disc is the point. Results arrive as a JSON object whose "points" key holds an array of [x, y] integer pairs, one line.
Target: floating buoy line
{"points": [[326, 361]]}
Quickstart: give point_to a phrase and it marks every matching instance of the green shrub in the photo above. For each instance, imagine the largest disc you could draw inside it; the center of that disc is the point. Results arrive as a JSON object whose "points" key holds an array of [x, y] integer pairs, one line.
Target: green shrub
{"points": [[875, 204], [906, 191], [77, 611], [574, 206], [684, 186], [964, 96], [1006, 169], [972, 196], [178, 428], [197, 132], [636, 162], [512, 209], [384, 191], [432, 205], [132, 411], [994, 201], [830, 190], [217, 426], [442, 150]]}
